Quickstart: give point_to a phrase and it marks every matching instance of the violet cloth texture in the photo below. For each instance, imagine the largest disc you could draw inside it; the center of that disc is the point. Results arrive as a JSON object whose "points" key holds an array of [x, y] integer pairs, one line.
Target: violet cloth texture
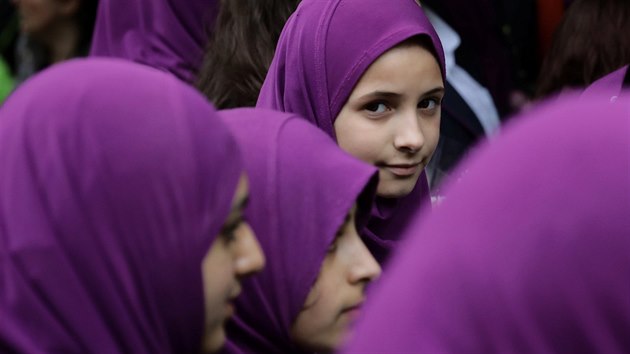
{"points": [[324, 49], [298, 202], [116, 178], [166, 34], [538, 258], [611, 83]]}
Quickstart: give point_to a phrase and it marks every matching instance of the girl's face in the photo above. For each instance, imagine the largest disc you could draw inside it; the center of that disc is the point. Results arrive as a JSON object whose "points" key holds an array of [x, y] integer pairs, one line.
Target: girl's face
{"points": [[392, 118], [234, 253], [335, 300]]}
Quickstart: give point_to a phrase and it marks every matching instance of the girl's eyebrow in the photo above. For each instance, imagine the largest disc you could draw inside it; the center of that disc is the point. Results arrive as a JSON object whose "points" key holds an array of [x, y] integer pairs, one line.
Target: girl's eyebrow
{"points": [[434, 91], [381, 94]]}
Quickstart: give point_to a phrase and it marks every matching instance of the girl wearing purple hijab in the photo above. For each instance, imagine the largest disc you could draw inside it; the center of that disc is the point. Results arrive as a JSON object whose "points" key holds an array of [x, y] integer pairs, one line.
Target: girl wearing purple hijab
{"points": [[371, 76], [121, 228], [165, 34], [539, 258], [305, 211]]}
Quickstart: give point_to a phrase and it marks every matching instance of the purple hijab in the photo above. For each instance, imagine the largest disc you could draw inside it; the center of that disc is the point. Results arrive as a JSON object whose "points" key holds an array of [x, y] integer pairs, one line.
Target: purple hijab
{"points": [[323, 51], [298, 202], [611, 83], [539, 258], [166, 34], [113, 187]]}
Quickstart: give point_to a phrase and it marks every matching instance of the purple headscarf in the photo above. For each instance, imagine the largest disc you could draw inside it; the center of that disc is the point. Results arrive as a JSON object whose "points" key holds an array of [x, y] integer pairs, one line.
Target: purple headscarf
{"points": [[166, 34], [298, 202], [324, 49], [115, 180], [611, 83], [538, 260]]}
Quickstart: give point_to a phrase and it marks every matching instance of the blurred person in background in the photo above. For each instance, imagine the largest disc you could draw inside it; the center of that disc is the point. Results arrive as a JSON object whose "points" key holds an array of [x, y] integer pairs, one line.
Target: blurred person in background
{"points": [[591, 42], [165, 34], [52, 31]]}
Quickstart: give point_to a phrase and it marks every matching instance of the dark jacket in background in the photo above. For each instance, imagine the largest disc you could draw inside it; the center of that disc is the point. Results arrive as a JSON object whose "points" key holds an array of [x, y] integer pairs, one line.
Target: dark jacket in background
{"points": [[499, 46]]}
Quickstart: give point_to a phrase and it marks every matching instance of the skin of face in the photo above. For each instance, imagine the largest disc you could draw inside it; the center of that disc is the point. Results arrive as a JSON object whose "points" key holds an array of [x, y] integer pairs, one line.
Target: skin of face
{"points": [[392, 117], [234, 254], [37, 16], [334, 302]]}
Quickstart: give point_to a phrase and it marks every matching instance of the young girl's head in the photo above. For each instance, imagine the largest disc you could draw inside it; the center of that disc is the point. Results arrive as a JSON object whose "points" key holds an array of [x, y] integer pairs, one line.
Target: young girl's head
{"points": [[392, 117], [306, 211], [370, 75], [121, 204], [335, 301]]}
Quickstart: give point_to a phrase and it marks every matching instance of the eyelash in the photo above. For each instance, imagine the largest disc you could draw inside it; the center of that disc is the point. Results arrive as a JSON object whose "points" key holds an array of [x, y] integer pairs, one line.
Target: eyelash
{"points": [[372, 107], [229, 233], [435, 100], [333, 247], [375, 104]]}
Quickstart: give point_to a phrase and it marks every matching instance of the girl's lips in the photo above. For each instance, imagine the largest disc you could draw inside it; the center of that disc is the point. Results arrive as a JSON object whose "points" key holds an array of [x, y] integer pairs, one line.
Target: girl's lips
{"points": [[403, 170], [352, 313]]}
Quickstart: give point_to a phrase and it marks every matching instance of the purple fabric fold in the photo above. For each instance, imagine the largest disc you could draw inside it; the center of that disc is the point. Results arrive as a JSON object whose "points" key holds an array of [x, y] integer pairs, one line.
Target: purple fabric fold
{"points": [[611, 83], [298, 202], [529, 253], [115, 180], [168, 35], [324, 49]]}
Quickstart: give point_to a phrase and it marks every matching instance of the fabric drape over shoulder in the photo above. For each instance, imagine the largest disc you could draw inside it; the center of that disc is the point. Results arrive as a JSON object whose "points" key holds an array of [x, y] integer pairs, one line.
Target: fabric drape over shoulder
{"points": [[324, 49], [115, 180], [298, 201], [166, 34], [538, 258]]}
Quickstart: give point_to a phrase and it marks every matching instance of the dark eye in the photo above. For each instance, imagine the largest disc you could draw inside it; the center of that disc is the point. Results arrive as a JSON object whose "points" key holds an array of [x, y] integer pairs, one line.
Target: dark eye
{"points": [[333, 246], [377, 107], [228, 234], [428, 103]]}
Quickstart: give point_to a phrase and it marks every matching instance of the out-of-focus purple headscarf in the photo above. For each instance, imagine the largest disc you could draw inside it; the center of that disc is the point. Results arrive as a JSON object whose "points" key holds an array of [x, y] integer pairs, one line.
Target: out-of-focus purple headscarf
{"points": [[324, 49], [611, 83], [166, 34], [298, 202], [530, 251], [115, 180]]}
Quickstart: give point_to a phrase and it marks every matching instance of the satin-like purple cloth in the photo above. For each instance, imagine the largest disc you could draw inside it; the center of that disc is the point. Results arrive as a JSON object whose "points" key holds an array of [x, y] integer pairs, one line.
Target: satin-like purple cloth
{"points": [[298, 202], [169, 35], [324, 49], [115, 180], [530, 251]]}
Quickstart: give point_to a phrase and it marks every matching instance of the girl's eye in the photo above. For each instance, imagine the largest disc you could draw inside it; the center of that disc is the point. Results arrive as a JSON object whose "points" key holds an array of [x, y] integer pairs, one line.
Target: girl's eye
{"points": [[429, 103], [333, 247], [229, 234], [377, 107]]}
